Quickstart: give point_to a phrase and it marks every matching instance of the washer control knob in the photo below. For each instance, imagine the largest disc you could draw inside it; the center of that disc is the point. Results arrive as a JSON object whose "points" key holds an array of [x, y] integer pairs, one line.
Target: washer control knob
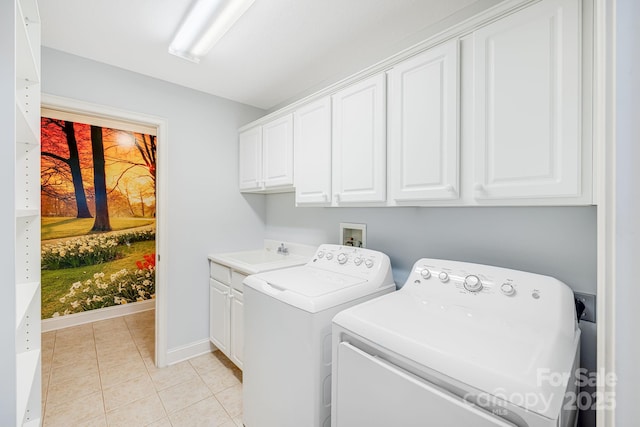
{"points": [[342, 258], [320, 254], [357, 261], [443, 276], [368, 263], [472, 283], [425, 273], [507, 289], [329, 256]]}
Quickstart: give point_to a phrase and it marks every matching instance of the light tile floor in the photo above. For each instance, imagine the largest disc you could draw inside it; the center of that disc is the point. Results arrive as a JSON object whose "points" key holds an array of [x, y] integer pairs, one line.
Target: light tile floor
{"points": [[103, 374]]}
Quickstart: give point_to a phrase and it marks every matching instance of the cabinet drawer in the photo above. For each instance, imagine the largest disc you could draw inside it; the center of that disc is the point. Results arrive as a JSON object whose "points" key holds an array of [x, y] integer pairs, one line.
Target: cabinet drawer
{"points": [[220, 272], [236, 280]]}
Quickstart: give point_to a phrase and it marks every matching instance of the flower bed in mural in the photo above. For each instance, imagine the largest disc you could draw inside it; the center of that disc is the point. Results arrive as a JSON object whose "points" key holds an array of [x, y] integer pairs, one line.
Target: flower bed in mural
{"points": [[90, 250], [122, 287]]}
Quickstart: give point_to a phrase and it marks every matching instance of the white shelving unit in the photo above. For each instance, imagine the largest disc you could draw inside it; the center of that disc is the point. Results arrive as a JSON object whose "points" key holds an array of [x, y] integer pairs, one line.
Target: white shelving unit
{"points": [[28, 410]]}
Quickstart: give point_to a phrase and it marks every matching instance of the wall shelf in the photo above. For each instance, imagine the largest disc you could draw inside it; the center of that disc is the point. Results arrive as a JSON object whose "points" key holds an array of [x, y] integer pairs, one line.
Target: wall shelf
{"points": [[25, 243], [28, 370], [25, 296], [26, 213]]}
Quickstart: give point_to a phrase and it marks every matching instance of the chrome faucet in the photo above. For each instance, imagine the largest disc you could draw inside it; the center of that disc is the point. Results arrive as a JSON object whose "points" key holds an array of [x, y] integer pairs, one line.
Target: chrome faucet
{"points": [[283, 250]]}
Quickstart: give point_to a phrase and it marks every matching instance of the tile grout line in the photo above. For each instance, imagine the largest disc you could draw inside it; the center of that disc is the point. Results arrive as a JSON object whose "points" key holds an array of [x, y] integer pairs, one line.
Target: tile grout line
{"points": [[95, 348]]}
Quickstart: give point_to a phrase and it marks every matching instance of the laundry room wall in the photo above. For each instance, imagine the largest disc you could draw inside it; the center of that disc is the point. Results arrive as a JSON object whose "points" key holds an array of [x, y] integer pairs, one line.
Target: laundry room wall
{"points": [[206, 213], [554, 241]]}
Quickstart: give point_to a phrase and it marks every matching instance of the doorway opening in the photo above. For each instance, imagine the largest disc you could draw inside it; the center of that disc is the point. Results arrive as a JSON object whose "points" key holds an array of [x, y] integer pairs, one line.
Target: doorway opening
{"points": [[102, 224]]}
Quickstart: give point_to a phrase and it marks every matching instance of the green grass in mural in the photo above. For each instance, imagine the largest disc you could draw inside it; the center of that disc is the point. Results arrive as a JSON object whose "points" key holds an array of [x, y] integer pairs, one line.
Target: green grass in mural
{"points": [[59, 227], [56, 283]]}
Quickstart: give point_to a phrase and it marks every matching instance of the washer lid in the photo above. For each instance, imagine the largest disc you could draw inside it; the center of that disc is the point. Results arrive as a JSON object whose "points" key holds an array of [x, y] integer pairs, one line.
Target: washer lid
{"points": [[309, 288], [521, 362]]}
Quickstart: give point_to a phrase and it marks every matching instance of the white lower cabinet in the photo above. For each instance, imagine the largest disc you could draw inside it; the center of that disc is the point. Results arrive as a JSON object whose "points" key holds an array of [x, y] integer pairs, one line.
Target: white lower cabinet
{"points": [[219, 315], [237, 328], [226, 309]]}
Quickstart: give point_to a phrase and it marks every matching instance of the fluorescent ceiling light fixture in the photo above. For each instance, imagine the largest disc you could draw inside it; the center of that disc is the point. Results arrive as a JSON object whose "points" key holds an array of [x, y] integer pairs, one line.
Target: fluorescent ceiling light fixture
{"points": [[205, 24]]}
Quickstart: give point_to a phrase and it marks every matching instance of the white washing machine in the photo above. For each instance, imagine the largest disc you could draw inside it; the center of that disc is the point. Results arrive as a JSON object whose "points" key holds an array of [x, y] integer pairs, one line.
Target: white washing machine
{"points": [[459, 345], [287, 325]]}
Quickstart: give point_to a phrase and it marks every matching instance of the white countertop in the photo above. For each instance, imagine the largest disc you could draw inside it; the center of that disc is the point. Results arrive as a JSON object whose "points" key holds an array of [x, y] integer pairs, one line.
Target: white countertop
{"points": [[265, 259]]}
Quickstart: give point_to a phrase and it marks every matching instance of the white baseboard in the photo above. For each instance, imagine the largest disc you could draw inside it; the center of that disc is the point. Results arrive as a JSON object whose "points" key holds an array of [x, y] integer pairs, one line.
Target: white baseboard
{"points": [[189, 351], [76, 319]]}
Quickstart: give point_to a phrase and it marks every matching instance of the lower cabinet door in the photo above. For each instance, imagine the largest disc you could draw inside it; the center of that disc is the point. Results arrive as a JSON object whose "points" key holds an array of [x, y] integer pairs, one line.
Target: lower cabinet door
{"points": [[219, 315], [237, 328]]}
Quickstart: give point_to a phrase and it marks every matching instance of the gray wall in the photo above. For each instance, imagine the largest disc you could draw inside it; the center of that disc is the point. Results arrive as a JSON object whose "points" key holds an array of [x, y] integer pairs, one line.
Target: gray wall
{"points": [[627, 213], [555, 241], [206, 213]]}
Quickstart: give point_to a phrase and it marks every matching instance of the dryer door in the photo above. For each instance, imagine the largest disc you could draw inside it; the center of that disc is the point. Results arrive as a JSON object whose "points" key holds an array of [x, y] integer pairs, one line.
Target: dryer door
{"points": [[374, 393]]}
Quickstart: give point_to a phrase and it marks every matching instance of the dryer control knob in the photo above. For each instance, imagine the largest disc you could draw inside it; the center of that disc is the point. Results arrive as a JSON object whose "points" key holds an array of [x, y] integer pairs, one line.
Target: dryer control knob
{"points": [[357, 261], [320, 254], [342, 258], [329, 256], [507, 289], [443, 276], [472, 283], [425, 273], [368, 263]]}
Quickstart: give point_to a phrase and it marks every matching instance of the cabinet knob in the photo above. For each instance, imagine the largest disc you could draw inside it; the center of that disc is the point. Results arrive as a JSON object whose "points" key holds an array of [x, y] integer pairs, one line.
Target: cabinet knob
{"points": [[337, 197], [449, 189], [479, 187]]}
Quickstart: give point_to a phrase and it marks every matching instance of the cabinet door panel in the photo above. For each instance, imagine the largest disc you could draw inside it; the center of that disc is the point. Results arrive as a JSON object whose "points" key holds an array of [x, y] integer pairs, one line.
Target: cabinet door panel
{"points": [[312, 142], [423, 126], [250, 159], [359, 142], [237, 329], [527, 103], [277, 152], [219, 315]]}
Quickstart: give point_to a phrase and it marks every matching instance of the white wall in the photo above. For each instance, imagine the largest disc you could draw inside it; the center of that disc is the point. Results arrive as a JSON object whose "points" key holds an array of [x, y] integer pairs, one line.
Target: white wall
{"points": [[555, 241], [627, 207], [7, 212], [206, 212]]}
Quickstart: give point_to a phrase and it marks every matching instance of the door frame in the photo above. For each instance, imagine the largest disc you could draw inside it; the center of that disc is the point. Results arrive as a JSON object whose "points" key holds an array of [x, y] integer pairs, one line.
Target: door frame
{"points": [[162, 133]]}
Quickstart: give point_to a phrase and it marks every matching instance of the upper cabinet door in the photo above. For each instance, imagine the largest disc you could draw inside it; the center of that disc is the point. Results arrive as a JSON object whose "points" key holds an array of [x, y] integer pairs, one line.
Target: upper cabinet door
{"points": [[277, 152], [359, 142], [250, 159], [312, 153], [423, 126], [528, 104]]}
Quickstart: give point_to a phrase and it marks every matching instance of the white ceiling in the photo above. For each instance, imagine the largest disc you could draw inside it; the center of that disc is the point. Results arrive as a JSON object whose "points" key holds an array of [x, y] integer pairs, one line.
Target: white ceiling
{"points": [[276, 52]]}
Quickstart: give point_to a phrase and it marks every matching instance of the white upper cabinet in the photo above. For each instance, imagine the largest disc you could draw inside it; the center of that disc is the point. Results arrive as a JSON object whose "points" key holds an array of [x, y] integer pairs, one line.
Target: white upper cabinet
{"points": [[527, 104], [250, 154], [359, 142], [277, 152], [266, 156], [312, 153], [423, 127]]}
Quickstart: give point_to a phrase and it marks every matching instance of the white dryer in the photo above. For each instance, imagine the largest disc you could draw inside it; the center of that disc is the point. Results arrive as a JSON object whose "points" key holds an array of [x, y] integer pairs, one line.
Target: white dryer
{"points": [[459, 345], [287, 325]]}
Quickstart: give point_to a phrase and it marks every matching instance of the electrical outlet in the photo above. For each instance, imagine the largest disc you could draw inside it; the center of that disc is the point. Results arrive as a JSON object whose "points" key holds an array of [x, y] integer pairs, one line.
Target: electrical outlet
{"points": [[589, 301]]}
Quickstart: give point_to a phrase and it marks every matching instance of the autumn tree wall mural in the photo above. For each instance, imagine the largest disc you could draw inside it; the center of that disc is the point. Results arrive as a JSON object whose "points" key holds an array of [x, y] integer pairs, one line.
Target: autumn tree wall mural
{"points": [[98, 188]]}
